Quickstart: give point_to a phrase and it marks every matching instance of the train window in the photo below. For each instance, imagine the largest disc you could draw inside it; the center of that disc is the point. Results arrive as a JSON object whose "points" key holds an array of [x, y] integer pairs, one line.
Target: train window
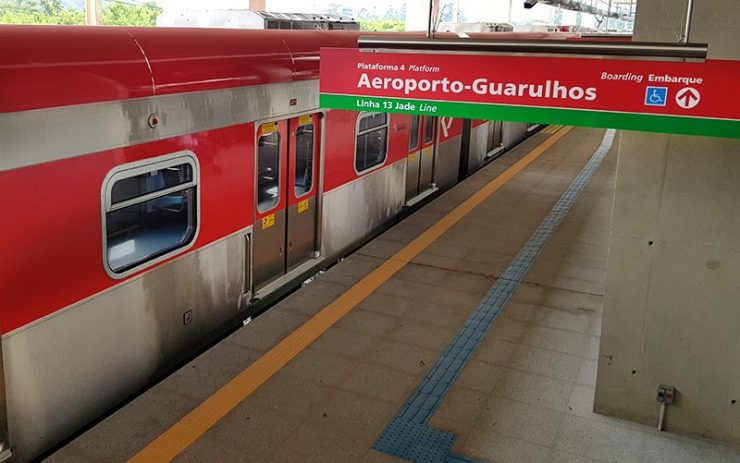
{"points": [[372, 140], [371, 121], [142, 184], [304, 157], [151, 210], [268, 171], [428, 129], [414, 132]]}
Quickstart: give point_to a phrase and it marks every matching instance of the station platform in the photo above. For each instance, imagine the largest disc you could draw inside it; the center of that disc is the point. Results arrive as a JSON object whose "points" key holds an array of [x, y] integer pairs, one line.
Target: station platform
{"points": [[467, 332]]}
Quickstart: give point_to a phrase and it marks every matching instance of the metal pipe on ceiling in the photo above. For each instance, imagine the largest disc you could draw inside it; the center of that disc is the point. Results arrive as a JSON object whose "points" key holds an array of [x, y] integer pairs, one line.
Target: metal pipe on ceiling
{"points": [[431, 19], [568, 47]]}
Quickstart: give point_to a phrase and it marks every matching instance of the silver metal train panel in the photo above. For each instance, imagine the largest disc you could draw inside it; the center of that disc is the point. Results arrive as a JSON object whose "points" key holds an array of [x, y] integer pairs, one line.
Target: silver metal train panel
{"points": [[301, 237], [45, 135], [447, 162], [120, 341], [478, 147], [354, 212], [495, 136], [413, 162], [268, 252], [513, 133]]}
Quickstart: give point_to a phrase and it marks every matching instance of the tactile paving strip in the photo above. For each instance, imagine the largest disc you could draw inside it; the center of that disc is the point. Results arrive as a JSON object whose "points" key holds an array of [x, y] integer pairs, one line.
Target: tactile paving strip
{"points": [[407, 436]]}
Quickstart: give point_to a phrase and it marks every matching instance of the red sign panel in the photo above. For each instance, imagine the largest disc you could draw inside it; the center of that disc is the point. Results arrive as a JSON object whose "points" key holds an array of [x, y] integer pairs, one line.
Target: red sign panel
{"points": [[663, 96]]}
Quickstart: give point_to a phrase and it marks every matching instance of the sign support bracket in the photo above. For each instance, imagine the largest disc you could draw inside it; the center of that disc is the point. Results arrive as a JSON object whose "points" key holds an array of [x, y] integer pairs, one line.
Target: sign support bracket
{"points": [[687, 23]]}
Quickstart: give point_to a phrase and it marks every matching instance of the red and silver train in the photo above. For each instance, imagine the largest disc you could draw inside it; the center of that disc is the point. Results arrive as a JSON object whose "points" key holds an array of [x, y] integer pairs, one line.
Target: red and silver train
{"points": [[161, 185]]}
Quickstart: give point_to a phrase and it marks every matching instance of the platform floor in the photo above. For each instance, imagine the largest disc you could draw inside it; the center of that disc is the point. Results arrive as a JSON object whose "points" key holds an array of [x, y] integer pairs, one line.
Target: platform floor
{"points": [[526, 394]]}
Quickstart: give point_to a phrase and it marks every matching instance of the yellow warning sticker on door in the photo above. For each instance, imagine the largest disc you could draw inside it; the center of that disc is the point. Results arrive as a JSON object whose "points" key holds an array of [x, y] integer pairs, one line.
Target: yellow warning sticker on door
{"points": [[302, 206], [412, 156], [305, 120], [268, 221], [269, 128]]}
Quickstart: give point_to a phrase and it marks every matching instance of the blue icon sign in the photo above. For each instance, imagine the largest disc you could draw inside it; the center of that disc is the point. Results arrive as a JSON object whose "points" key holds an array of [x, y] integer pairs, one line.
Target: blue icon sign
{"points": [[656, 96]]}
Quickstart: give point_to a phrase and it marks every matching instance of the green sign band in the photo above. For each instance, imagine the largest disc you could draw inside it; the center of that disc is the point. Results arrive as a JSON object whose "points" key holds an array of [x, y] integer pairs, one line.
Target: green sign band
{"points": [[579, 117]]}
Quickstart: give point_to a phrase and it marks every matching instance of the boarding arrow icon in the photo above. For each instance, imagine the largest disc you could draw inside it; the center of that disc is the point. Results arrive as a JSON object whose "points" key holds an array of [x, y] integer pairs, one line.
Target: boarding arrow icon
{"points": [[688, 97]]}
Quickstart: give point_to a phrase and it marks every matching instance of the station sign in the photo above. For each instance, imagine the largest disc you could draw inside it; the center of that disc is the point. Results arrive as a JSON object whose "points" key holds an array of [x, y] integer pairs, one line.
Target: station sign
{"points": [[694, 98]]}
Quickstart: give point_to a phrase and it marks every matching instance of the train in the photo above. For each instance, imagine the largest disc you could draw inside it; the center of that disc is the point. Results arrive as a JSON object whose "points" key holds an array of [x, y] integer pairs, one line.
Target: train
{"points": [[162, 185]]}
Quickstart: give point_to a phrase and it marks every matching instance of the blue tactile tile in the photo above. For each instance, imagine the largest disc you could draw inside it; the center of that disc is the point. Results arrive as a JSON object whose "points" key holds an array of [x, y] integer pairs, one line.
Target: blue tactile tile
{"points": [[407, 436]]}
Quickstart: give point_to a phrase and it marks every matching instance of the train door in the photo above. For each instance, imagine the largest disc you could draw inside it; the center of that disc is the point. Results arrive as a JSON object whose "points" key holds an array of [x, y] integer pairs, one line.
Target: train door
{"points": [[303, 154], [285, 217], [426, 169], [420, 160], [414, 159], [495, 131]]}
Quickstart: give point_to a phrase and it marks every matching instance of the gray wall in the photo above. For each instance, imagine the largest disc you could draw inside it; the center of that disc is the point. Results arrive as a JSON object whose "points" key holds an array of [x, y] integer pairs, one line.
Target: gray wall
{"points": [[672, 300]]}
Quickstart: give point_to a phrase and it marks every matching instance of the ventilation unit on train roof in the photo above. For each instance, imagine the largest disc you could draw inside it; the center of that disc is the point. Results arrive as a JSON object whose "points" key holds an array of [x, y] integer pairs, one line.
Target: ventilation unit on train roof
{"points": [[474, 27], [251, 19]]}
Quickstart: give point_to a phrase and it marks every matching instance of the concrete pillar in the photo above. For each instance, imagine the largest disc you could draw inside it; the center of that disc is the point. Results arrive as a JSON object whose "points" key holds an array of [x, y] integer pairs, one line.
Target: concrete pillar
{"points": [[672, 300], [94, 12]]}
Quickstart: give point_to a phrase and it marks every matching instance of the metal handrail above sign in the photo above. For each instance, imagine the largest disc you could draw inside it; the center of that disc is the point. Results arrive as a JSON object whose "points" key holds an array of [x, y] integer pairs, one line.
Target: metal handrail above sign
{"points": [[692, 51]]}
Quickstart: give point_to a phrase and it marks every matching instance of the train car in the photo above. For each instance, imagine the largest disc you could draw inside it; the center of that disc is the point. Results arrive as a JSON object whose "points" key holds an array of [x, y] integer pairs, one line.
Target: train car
{"points": [[162, 185]]}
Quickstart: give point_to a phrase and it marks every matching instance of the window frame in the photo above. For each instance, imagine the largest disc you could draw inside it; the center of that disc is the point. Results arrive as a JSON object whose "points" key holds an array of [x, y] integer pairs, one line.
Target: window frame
{"points": [[313, 159], [133, 169], [416, 145], [261, 134], [387, 126], [433, 124]]}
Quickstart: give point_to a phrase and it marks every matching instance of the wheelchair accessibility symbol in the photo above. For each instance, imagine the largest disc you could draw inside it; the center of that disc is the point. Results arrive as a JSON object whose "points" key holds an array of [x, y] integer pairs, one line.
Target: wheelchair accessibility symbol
{"points": [[656, 96]]}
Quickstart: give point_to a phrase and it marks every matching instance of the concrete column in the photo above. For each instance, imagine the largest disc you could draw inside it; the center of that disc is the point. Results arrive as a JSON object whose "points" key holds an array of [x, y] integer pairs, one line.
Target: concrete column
{"points": [[672, 300], [94, 12]]}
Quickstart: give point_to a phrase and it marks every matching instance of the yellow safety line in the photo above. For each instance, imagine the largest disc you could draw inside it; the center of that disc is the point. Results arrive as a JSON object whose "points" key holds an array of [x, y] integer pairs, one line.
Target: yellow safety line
{"points": [[550, 129], [193, 425]]}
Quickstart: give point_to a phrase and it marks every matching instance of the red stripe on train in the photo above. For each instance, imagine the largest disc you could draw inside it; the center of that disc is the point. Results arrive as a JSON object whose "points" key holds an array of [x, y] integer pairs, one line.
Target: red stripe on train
{"points": [[52, 243]]}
